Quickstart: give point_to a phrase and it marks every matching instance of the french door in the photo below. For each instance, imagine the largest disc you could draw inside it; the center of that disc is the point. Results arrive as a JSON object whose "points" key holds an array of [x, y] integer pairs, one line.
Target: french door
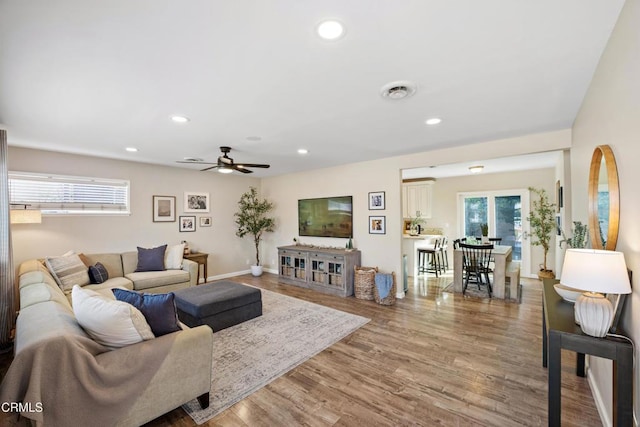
{"points": [[504, 213]]}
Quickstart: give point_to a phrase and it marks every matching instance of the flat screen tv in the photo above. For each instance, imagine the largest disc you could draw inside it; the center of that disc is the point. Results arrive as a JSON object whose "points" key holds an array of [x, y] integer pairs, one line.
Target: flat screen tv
{"points": [[326, 217]]}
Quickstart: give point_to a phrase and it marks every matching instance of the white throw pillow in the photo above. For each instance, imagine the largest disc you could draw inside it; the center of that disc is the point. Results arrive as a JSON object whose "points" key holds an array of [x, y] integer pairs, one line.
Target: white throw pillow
{"points": [[173, 257], [109, 322]]}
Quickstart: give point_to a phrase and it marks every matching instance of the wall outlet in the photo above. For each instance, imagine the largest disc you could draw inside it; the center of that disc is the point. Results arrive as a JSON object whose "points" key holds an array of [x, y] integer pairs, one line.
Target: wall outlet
{"points": [[248, 261]]}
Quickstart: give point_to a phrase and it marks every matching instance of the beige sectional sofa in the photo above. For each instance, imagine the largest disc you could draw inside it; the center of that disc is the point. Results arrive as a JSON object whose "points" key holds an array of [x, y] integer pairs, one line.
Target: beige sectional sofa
{"points": [[46, 315]]}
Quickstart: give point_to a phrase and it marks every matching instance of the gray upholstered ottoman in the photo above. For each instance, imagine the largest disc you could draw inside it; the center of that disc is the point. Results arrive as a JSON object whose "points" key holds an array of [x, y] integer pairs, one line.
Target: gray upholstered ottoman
{"points": [[219, 305]]}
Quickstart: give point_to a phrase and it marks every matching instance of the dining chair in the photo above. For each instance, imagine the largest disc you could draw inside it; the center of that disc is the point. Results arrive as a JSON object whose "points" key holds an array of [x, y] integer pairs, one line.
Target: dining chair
{"points": [[476, 259], [495, 240]]}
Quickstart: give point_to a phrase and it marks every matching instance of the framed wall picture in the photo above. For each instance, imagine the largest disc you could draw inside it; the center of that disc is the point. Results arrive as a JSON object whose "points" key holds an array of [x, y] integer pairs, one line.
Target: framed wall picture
{"points": [[164, 209], [205, 221], [187, 223], [406, 226], [377, 225], [196, 202], [376, 201]]}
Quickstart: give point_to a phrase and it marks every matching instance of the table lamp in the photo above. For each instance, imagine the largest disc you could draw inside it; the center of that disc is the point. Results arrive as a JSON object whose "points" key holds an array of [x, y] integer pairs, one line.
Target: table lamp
{"points": [[596, 272]]}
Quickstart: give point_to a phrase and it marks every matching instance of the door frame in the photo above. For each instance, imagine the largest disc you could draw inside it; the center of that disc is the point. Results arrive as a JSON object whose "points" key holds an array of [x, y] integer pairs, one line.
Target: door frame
{"points": [[525, 265]]}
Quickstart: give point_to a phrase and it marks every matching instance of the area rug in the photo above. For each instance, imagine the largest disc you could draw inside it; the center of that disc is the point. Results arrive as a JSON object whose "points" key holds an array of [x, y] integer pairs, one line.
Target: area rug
{"points": [[248, 356], [472, 290]]}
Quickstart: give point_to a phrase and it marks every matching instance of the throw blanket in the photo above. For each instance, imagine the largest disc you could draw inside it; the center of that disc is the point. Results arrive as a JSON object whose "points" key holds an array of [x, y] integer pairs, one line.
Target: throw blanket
{"points": [[79, 382], [384, 282]]}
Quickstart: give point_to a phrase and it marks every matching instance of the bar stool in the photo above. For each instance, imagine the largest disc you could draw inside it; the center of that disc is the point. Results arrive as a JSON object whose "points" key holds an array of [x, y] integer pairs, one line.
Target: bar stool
{"points": [[428, 259], [444, 254]]}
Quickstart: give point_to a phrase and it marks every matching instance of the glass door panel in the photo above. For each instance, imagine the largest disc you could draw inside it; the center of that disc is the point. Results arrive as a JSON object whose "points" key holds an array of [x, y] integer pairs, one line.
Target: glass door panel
{"points": [[508, 224], [475, 214]]}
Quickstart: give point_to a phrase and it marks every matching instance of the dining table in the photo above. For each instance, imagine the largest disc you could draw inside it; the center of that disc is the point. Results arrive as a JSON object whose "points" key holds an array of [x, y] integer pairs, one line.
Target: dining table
{"points": [[502, 257]]}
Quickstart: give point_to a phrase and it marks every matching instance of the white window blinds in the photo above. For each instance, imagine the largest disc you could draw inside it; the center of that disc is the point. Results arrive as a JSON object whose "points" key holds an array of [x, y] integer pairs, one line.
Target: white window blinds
{"points": [[58, 194]]}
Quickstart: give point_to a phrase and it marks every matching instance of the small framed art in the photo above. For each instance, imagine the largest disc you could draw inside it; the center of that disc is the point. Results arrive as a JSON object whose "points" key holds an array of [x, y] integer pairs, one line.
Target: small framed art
{"points": [[164, 209], [187, 223], [205, 221], [376, 200], [377, 225], [196, 202]]}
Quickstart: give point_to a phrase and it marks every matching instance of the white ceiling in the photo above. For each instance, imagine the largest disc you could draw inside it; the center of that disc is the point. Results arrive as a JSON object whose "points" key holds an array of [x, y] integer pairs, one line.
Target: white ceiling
{"points": [[503, 164], [94, 77]]}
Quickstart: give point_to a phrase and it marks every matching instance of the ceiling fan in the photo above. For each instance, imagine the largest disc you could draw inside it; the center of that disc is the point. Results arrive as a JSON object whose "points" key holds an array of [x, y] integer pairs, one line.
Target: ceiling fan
{"points": [[225, 164]]}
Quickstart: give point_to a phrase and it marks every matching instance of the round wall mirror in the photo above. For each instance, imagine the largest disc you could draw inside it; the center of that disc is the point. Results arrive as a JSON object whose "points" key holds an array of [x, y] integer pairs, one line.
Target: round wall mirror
{"points": [[604, 199]]}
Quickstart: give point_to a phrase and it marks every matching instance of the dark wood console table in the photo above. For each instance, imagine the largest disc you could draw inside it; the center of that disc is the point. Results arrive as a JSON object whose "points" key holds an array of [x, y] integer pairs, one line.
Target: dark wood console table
{"points": [[560, 331], [201, 259]]}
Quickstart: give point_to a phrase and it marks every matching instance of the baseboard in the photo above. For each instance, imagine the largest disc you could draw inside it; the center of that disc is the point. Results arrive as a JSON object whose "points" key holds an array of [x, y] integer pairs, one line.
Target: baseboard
{"points": [[238, 273], [597, 397], [227, 275]]}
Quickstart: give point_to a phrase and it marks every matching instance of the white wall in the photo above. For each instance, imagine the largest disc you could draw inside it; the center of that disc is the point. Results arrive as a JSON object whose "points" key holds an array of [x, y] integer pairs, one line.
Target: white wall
{"points": [[610, 114], [94, 234], [445, 197], [358, 179]]}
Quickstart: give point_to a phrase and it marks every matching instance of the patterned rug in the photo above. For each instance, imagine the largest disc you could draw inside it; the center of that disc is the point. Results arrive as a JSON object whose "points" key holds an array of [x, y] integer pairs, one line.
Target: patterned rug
{"points": [[248, 356], [472, 290]]}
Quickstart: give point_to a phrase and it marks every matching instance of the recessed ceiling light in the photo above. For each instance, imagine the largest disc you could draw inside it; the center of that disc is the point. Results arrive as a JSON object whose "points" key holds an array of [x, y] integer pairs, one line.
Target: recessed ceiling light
{"points": [[330, 30], [476, 169], [433, 121], [131, 149], [303, 151], [254, 138], [180, 119]]}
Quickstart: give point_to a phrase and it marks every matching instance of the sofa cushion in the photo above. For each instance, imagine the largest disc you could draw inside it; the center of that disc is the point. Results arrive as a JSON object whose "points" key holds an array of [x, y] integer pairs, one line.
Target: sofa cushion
{"points": [[173, 257], [153, 279], [68, 270], [98, 273], [111, 261], [113, 282], [109, 322], [151, 259], [158, 309]]}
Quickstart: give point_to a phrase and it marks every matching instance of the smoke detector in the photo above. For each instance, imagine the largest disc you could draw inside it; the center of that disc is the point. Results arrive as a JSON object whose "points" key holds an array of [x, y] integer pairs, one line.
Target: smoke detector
{"points": [[398, 90]]}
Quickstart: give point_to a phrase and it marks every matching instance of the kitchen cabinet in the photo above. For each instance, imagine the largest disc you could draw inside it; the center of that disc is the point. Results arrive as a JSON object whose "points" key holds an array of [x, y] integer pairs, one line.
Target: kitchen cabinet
{"points": [[417, 199]]}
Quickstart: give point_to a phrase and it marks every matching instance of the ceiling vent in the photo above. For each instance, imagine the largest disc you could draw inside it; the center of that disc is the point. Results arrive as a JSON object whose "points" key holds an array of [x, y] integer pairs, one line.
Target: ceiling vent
{"points": [[398, 90]]}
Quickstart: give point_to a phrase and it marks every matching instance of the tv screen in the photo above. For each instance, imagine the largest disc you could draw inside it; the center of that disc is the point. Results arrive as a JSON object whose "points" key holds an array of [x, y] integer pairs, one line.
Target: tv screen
{"points": [[326, 217]]}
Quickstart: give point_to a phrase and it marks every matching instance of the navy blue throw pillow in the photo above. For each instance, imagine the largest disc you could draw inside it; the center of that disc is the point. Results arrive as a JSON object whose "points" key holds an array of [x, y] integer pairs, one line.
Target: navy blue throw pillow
{"points": [[151, 259], [158, 309], [98, 273]]}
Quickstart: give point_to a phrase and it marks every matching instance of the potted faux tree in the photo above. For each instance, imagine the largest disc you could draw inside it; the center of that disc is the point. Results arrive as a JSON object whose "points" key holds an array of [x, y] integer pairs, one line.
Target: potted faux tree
{"points": [[543, 224], [484, 229], [252, 219]]}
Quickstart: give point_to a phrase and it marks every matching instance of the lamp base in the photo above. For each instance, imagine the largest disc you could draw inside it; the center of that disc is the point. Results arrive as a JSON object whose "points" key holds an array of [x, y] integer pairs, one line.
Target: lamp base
{"points": [[594, 313]]}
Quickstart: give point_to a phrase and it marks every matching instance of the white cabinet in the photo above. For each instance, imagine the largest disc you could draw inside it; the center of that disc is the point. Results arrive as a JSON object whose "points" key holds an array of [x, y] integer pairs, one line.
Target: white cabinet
{"points": [[416, 199]]}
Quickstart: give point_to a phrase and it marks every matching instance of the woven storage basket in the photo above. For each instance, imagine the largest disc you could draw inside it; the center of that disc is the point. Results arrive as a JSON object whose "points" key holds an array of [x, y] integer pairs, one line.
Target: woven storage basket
{"points": [[389, 299], [363, 282]]}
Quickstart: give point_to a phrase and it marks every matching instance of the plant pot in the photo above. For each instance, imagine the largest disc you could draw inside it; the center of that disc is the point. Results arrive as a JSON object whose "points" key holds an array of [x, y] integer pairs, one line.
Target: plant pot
{"points": [[546, 274], [256, 270]]}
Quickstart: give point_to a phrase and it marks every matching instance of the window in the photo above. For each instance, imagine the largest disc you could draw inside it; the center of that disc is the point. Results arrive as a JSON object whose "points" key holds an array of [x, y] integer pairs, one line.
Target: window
{"points": [[58, 194]]}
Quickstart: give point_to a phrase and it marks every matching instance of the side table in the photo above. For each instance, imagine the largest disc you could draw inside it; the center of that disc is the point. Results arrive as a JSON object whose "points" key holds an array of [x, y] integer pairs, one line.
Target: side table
{"points": [[201, 259], [559, 331]]}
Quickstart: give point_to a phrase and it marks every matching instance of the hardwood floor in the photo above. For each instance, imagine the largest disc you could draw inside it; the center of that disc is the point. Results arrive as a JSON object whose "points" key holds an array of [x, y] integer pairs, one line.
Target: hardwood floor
{"points": [[434, 358]]}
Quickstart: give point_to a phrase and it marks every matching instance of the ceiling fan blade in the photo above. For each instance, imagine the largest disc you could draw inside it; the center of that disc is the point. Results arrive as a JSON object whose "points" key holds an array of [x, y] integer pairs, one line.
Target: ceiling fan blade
{"points": [[196, 163], [252, 165], [209, 168], [239, 168]]}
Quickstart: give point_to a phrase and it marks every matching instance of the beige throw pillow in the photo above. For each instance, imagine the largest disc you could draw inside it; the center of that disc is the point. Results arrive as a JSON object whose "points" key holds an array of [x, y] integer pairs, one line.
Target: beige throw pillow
{"points": [[68, 270]]}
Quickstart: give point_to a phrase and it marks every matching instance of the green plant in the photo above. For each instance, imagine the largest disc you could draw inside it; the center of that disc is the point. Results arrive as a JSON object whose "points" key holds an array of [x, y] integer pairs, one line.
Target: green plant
{"points": [[484, 228], [252, 218], [579, 236], [543, 221]]}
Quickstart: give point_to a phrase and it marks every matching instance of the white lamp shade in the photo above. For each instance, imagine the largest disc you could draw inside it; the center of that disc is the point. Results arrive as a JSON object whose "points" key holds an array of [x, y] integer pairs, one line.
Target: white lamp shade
{"points": [[595, 271], [25, 216]]}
